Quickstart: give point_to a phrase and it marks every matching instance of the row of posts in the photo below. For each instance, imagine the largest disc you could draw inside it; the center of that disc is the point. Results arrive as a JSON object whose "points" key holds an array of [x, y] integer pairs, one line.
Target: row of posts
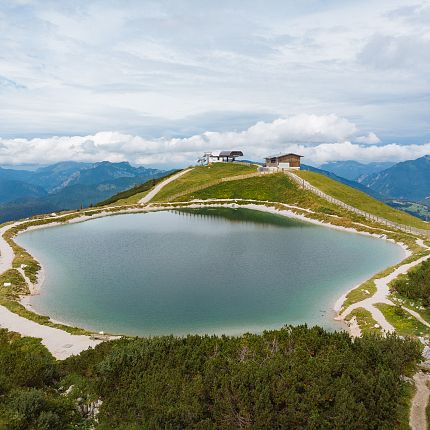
{"points": [[367, 215]]}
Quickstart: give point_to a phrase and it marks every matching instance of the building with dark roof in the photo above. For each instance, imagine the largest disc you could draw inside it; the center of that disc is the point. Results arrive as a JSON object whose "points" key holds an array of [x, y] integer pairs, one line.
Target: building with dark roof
{"points": [[220, 157], [283, 161]]}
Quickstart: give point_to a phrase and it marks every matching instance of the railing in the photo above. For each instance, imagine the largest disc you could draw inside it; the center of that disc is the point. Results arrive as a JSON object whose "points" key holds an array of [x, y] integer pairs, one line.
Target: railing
{"points": [[406, 228]]}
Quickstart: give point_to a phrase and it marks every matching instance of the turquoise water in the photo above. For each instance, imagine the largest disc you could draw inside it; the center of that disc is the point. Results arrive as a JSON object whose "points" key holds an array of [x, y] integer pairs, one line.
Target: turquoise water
{"points": [[205, 271]]}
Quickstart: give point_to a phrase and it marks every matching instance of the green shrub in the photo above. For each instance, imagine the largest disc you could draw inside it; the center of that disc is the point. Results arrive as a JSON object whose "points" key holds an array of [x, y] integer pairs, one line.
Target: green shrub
{"points": [[416, 284], [25, 407], [297, 377]]}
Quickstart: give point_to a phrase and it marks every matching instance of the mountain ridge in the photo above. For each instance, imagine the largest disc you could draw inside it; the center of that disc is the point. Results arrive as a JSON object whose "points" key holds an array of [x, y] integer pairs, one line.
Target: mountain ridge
{"points": [[353, 170], [66, 185], [409, 180]]}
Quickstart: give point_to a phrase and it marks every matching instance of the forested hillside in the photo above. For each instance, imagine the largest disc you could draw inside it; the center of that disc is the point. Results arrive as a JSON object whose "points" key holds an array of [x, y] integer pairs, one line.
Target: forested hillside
{"points": [[293, 378]]}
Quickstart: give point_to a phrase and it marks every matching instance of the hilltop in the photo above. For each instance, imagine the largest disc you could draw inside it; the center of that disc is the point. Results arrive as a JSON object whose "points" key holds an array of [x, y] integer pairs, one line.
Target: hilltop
{"points": [[205, 183]]}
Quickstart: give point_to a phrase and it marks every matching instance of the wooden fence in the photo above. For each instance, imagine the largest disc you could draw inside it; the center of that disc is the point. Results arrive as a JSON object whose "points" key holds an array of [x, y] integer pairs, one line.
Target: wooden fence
{"points": [[406, 228]]}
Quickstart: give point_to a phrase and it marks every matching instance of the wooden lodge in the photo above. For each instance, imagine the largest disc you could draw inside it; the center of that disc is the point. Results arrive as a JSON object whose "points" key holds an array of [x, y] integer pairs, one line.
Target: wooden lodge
{"points": [[283, 161]]}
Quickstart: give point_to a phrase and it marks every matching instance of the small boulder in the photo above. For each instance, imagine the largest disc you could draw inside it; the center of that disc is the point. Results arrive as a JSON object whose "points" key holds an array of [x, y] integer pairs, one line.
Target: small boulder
{"points": [[426, 352]]}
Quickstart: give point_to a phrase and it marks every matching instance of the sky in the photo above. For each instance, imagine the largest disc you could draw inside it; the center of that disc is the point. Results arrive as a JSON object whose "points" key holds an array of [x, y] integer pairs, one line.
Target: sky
{"points": [[159, 82]]}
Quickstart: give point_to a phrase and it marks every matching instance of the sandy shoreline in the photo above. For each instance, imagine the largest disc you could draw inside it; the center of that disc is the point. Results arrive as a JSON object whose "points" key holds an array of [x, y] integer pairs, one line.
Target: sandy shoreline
{"points": [[63, 344]]}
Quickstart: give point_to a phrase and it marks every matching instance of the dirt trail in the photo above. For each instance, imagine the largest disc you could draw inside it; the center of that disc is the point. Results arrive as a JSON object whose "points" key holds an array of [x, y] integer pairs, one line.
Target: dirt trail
{"points": [[158, 187], [417, 417]]}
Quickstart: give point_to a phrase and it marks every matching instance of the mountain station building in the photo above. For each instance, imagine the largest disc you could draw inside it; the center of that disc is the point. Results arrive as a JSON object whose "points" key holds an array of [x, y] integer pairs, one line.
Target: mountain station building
{"points": [[220, 157], [283, 161]]}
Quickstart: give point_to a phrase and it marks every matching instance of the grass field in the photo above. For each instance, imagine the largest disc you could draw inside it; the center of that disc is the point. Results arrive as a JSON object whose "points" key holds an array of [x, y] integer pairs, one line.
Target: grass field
{"points": [[365, 321], [364, 291], [361, 200], [132, 200], [404, 323], [201, 175], [273, 188], [266, 188], [415, 305]]}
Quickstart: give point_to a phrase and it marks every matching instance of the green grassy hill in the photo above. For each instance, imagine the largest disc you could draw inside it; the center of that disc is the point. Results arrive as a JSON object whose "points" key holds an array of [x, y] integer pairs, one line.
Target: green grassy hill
{"points": [[361, 200], [272, 188], [202, 175], [279, 188], [203, 183]]}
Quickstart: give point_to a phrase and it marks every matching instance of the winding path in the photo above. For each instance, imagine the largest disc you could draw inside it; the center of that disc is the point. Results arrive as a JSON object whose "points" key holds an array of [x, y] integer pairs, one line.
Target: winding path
{"points": [[161, 185], [383, 292], [6, 252], [418, 417]]}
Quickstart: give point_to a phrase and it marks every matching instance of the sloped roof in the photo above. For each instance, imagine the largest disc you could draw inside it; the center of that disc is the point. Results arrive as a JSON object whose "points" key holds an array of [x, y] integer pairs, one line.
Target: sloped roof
{"points": [[231, 154], [283, 155]]}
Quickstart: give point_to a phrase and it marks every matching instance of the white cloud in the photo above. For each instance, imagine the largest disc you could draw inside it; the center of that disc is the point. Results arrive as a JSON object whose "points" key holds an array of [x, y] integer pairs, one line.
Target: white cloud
{"points": [[397, 52], [319, 138], [371, 138], [81, 66], [365, 153]]}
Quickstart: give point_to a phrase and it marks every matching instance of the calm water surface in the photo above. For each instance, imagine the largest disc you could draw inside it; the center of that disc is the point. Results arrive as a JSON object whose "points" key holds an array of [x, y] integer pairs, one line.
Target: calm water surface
{"points": [[205, 271]]}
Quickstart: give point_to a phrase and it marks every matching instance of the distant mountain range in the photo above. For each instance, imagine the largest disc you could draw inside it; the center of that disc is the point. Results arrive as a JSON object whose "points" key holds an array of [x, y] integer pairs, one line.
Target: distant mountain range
{"points": [[353, 170], [350, 183], [405, 185], [406, 180], [66, 185], [70, 185]]}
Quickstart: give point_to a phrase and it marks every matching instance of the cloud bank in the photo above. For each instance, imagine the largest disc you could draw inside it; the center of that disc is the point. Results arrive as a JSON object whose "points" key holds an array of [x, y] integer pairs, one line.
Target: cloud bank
{"points": [[319, 138], [149, 68]]}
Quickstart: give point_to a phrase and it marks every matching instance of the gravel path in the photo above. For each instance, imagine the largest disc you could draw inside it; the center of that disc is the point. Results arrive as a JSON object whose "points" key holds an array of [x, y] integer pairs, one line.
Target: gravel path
{"points": [[382, 293], [6, 252], [161, 185], [417, 417], [60, 343]]}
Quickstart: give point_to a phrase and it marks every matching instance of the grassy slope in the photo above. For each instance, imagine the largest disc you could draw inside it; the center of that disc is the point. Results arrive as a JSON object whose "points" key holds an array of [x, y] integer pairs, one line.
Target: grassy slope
{"points": [[273, 188], [277, 187], [201, 175], [365, 320], [405, 324], [269, 187], [361, 200], [133, 195]]}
